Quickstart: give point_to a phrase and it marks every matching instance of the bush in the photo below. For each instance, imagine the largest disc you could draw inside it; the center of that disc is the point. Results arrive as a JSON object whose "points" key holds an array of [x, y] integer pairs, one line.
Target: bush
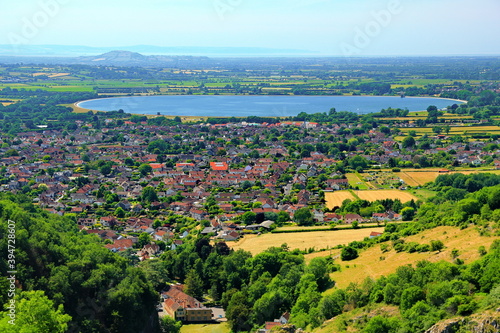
{"points": [[348, 253]]}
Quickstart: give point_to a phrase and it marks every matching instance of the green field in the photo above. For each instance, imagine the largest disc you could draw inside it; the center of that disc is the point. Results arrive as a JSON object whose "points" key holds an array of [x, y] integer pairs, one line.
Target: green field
{"points": [[206, 328]]}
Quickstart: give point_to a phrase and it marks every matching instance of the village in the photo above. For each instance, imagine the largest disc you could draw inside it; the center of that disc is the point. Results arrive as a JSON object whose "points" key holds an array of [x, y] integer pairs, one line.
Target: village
{"points": [[226, 179]]}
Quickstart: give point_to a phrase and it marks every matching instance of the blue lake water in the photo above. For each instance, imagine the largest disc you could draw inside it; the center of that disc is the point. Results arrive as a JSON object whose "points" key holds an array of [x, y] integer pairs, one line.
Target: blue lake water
{"points": [[269, 106]]}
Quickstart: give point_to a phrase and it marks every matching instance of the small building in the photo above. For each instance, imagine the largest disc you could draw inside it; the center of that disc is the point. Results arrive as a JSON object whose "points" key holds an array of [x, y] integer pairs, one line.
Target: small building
{"points": [[183, 307]]}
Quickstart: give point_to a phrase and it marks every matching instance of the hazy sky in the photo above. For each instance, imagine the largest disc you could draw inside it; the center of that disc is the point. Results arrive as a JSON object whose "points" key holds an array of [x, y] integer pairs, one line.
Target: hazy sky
{"points": [[328, 27]]}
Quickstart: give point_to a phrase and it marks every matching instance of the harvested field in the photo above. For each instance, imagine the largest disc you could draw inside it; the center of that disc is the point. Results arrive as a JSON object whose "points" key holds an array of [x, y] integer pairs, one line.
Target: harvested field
{"points": [[418, 178], [335, 199], [302, 240], [385, 194]]}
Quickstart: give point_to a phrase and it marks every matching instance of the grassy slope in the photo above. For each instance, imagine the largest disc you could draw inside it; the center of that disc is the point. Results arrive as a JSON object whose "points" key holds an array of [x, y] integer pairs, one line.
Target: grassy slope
{"points": [[206, 328], [369, 263], [356, 317]]}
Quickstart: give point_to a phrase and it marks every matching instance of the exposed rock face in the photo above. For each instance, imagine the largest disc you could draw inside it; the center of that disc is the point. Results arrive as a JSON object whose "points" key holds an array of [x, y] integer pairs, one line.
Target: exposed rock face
{"points": [[478, 323]]}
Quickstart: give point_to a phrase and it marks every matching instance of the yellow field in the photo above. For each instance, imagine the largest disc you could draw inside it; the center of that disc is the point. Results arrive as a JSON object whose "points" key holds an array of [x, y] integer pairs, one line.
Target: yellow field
{"points": [[457, 130], [302, 241], [369, 263], [418, 178], [374, 195], [335, 199]]}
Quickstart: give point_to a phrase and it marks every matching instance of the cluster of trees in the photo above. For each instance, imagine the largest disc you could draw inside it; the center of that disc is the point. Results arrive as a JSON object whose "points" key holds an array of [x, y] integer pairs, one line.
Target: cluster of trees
{"points": [[44, 109], [251, 289], [425, 293], [72, 275], [366, 208]]}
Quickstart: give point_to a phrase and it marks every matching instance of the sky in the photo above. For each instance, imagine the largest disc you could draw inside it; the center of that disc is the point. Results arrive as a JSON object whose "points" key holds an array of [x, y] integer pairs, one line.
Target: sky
{"points": [[321, 27]]}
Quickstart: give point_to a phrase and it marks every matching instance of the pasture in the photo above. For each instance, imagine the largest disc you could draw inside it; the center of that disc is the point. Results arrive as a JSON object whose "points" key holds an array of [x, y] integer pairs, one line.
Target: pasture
{"points": [[302, 240], [356, 181]]}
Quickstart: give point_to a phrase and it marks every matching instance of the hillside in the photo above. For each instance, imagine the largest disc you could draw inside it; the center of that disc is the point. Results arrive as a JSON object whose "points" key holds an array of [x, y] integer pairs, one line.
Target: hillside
{"points": [[375, 263]]}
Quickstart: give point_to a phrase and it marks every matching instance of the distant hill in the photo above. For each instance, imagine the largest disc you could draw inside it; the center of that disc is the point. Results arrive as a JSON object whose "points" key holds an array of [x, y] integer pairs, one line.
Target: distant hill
{"points": [[78, 50]]}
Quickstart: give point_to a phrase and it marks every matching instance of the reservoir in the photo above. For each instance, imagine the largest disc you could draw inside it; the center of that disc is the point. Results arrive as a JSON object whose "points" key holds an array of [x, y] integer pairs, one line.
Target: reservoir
{"points": [[264, 106]]}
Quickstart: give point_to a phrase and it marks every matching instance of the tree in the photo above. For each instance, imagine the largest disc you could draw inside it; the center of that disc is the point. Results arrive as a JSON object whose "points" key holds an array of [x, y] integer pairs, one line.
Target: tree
{"points": [[410, 296], [437, 245], [348, 253], [35, 312], [408, 142], [194, 284], [408, 213], [149, 194], [283, 217], [319, 268], [248, 218], [303, 216], [170, 325], [333, 304], [105, 169], [144, 239], [379, 324], [119, 212], [145, 169]]}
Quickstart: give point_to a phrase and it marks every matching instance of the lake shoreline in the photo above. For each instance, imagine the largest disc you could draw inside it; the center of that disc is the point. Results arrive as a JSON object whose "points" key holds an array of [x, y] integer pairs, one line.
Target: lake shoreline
{"points": [[262, 112]]}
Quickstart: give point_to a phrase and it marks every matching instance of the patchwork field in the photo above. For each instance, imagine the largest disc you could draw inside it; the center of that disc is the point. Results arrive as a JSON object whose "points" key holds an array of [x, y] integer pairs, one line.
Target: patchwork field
{"points": [[302, 241], [335, 199], [457, 130], [375, 263]]}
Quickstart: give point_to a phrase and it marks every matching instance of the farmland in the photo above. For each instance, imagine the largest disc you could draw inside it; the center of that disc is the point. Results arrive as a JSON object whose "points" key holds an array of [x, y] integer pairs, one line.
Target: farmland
{"points": [[455, 130], [385, 194], [302, 241], [335, 199]]}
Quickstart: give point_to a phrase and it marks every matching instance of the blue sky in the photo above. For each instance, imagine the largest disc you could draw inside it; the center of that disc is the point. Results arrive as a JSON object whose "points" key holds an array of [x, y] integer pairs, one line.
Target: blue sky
{"points": [[323, 27]]}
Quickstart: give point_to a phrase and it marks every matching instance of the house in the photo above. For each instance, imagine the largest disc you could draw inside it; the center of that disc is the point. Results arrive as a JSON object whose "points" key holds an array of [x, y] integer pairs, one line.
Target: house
{"points": [[269, 325], [219, 166], [229, 235], [107, 221], [160, 235], [374, 234], [183, 307], [208, 230], [350, 218], [124, 204], [148, 251], [381, 216], [176, 243], [86, 222], [120, 245], [332, 217]]}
